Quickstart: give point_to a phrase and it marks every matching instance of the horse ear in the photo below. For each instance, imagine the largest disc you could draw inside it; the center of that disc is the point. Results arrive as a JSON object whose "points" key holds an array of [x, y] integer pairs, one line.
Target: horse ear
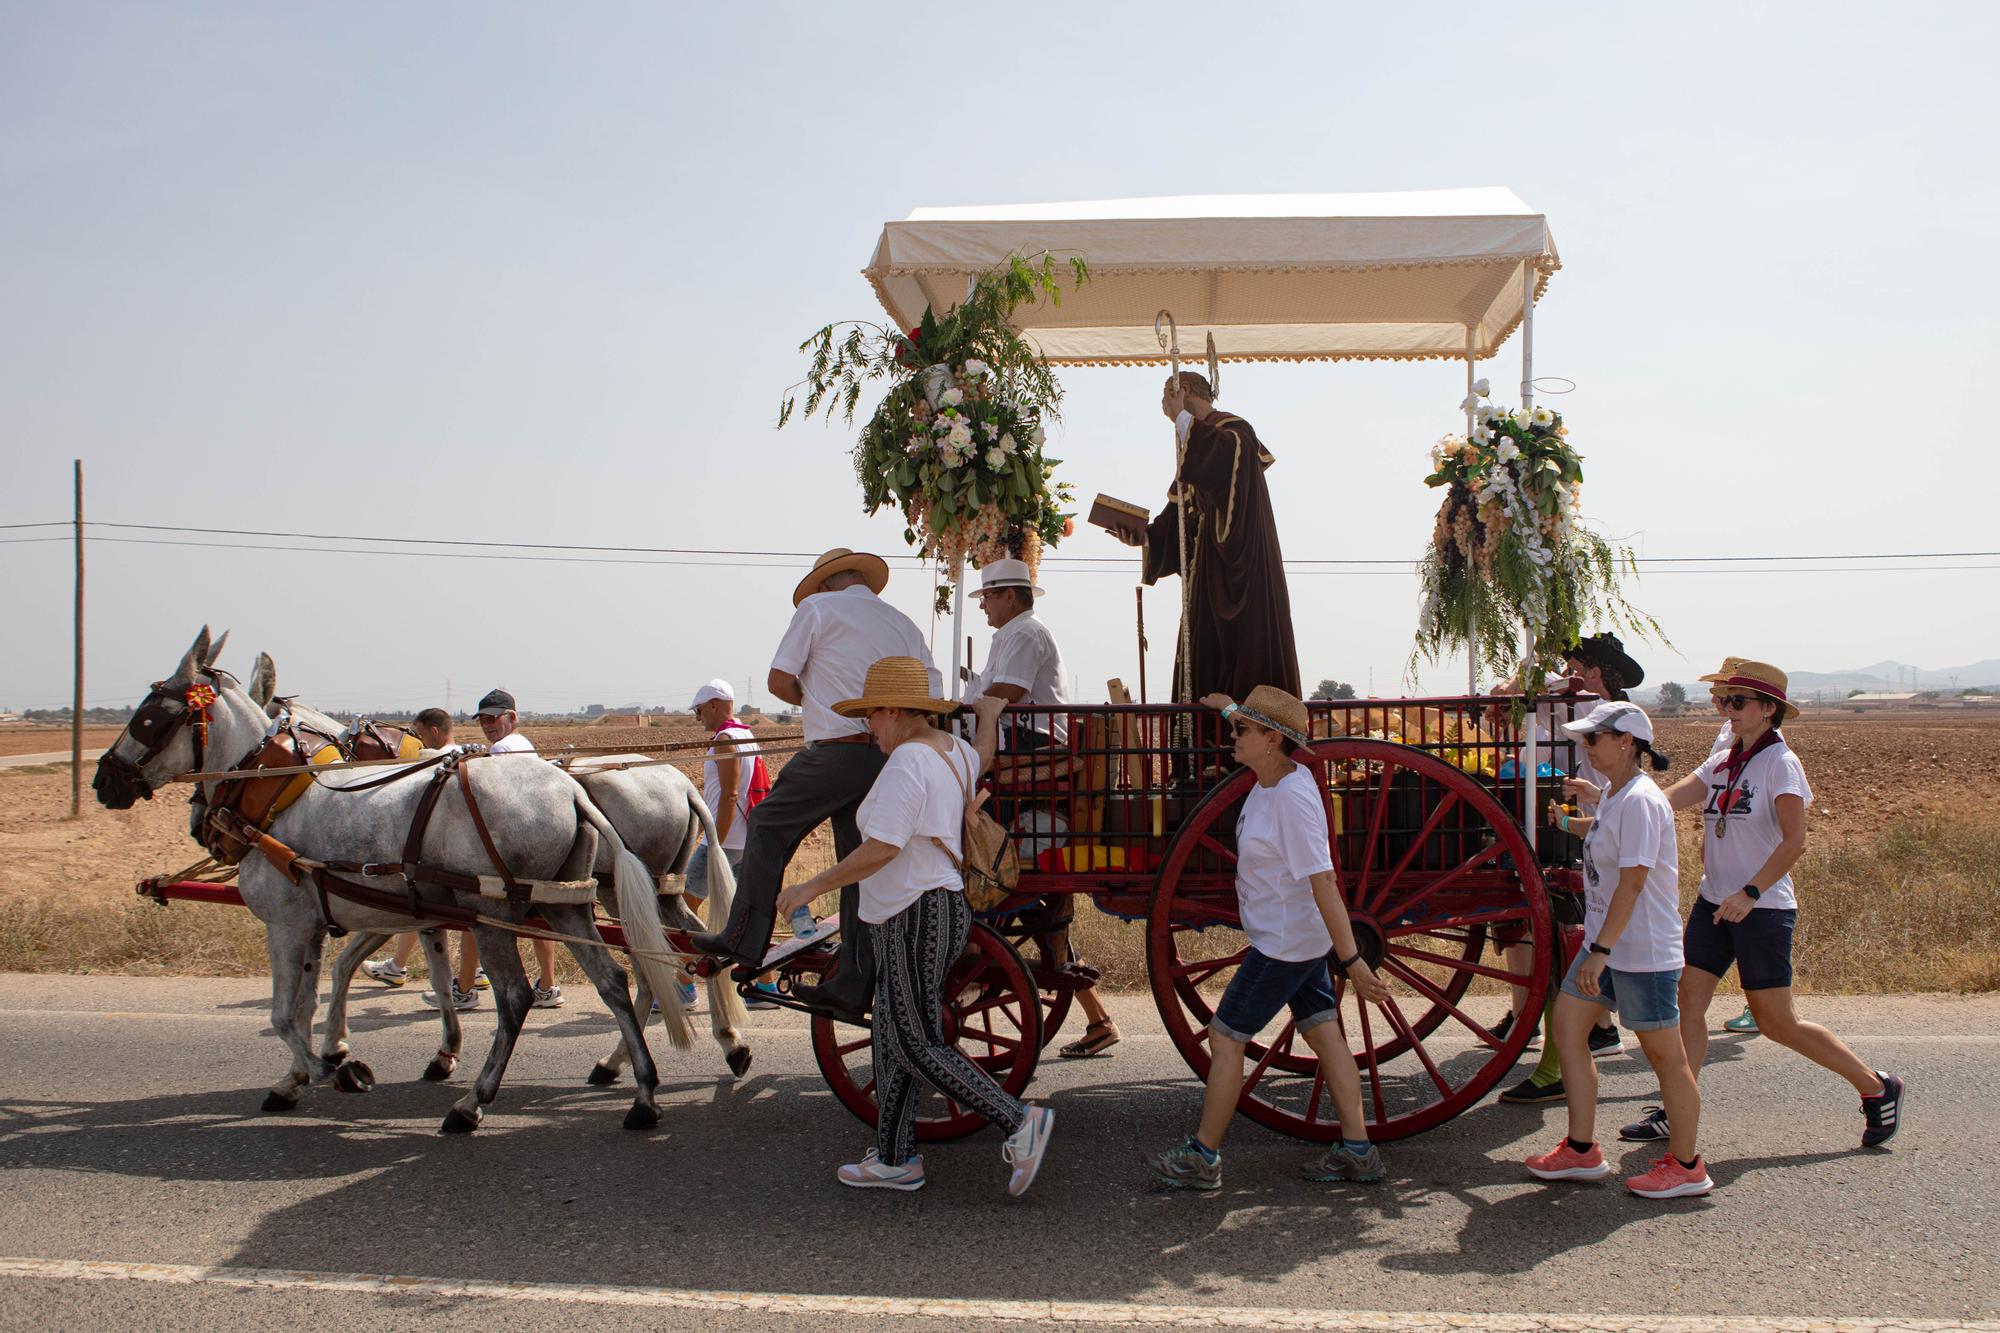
{"points": [[196, 654], [263, 680], [208, 660]]}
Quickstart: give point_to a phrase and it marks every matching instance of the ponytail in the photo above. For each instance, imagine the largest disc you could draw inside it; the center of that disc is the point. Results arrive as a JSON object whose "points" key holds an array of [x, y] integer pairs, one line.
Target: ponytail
{"points": [[1653, 757]]}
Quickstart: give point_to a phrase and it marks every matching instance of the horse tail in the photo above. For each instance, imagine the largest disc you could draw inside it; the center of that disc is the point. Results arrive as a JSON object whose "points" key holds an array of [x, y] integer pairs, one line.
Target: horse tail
{"points": [[726, 1011], [639, 915]]}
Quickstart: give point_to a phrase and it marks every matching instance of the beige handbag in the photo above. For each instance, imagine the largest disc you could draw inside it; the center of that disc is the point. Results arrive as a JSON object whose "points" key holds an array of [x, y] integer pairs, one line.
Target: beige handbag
{"points": [[991, 867]]}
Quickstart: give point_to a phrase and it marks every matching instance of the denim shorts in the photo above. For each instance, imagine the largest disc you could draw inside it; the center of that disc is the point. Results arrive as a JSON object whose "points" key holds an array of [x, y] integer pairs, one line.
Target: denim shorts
{"points": [[1760, 944], [1643, 1001], [1262, 986], [697, 871]]}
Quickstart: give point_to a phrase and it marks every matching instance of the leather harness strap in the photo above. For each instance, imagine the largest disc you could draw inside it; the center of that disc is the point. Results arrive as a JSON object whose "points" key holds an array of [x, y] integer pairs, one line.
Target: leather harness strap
{"points": [[517, 892]]}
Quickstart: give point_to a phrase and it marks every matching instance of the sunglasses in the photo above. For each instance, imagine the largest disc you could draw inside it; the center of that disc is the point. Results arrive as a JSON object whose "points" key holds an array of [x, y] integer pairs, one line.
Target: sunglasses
{"points": [[1732, 702]]}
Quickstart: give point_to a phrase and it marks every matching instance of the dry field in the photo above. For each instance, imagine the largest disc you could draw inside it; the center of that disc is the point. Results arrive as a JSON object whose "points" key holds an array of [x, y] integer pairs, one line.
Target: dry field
{"points": [[1901, 876]]}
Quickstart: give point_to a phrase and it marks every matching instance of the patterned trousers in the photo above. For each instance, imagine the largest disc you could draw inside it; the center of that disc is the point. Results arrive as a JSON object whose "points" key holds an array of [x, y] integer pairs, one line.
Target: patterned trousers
{"points": [[914, 950]]}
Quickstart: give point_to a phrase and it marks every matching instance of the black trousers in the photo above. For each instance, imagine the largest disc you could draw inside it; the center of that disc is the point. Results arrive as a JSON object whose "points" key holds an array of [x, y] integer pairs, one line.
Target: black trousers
{"points": [[820, 783]]}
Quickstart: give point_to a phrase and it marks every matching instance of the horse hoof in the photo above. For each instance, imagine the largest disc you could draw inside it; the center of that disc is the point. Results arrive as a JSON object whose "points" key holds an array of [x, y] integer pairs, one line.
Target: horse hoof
{"points": [[274, 1103], [439, 1069], [642, 1117], [354, 1077], [601, 1076], [739, 1061], [458, 1122]]}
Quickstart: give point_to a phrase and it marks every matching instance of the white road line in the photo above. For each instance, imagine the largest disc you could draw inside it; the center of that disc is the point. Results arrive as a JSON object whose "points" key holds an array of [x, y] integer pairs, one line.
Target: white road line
{"points": [[904, 1307]]}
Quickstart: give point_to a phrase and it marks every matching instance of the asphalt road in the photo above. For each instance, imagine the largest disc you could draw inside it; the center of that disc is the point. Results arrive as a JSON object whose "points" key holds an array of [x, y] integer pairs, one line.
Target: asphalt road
{"points": [[130, 1135]]}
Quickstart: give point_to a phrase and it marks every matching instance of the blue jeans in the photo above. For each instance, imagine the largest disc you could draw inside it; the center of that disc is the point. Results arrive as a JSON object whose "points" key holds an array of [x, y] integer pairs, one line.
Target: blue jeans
{"points": [[1643, 1001], [697, 871], [1262, 986]]}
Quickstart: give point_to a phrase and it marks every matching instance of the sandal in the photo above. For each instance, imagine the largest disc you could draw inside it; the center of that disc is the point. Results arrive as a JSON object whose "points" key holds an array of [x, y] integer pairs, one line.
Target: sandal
{"points": [[1096, 1040]]}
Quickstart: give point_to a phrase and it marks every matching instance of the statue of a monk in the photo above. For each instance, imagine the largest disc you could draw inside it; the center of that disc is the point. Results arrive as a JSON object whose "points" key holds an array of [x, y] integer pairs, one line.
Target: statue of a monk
{"points": [[1239, 611]]}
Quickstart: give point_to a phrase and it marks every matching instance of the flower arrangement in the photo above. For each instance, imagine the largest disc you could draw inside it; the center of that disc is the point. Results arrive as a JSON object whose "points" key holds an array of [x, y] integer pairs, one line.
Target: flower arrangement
{"points": [[956, 443], [1509, 549]]}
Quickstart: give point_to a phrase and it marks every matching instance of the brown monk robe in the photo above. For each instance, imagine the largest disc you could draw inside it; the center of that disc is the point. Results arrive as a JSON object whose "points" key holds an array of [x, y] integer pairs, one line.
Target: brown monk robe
{"points": [[1239, 611]]}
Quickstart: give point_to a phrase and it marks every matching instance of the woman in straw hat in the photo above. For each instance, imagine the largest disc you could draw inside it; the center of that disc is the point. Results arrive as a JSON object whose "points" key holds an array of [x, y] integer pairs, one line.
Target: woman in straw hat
{"points": [[911, 897], [1293, 914], [1753, 797]]}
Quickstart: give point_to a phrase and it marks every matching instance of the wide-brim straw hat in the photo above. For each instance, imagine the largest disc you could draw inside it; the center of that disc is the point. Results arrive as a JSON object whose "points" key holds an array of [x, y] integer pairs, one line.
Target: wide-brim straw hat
{"points": [[895, 682], [1269, 706], [874, 571], [1605, 650], [1741, 673], [998, 574]]}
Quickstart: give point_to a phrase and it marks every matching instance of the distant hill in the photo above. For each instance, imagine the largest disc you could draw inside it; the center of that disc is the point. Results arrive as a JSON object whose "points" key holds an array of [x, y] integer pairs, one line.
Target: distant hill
{"points": [[1878, 676]]}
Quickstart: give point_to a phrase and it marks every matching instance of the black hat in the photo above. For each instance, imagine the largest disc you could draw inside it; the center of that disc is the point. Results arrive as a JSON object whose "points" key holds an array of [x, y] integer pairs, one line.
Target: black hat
{"points": [[495, 703], [1604, 650]]}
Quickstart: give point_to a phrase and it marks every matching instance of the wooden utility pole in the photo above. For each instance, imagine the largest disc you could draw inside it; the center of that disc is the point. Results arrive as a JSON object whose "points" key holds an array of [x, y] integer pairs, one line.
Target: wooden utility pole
{"points": [[76, 704]]}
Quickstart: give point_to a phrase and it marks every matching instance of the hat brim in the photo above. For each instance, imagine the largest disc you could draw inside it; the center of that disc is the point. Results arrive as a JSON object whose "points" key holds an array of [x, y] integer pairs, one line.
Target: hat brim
{"points": [[874, 571], [868, 703], [1002, 587], [1787, 710], [1630, 673]]}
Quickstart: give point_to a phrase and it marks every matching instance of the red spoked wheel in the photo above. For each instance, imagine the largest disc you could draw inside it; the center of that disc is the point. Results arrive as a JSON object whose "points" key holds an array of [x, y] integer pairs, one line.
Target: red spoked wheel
{"points": [[1432, 869], [992, 1013]]}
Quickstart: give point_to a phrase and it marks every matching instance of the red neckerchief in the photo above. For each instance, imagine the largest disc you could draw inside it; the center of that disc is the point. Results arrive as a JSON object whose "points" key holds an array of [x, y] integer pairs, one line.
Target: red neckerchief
{"points": [[1732, 770]]}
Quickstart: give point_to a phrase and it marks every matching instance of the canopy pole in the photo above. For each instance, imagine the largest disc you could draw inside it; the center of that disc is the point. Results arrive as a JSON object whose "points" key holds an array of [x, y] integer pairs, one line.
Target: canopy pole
{"points": [[1471, 648], [1184, 682], [954, 687], [1531, 687]]}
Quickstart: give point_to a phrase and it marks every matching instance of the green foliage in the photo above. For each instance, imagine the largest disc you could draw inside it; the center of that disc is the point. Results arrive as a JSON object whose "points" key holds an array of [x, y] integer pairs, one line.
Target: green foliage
{"points": [[1333, 689]]}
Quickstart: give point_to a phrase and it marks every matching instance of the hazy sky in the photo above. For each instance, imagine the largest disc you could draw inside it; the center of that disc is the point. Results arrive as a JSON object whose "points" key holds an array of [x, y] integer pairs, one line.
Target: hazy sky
{"points": [[538, 273]]}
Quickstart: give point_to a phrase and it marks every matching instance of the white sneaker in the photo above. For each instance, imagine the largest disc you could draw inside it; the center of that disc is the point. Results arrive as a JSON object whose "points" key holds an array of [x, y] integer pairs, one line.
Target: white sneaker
{"points": [[460, 999], [552, 998], [386, 971], [871, 1174], [1024, 1148]]}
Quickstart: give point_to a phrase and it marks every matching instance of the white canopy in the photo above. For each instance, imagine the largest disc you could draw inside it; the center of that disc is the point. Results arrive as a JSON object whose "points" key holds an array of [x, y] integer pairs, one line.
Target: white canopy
{"points": [[1275, 277]]}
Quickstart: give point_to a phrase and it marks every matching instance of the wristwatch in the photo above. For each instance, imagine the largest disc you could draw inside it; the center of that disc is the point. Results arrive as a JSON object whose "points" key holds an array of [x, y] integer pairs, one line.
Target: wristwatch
{"points": [[1344, 963], [1754, 892], [1595, 947]]}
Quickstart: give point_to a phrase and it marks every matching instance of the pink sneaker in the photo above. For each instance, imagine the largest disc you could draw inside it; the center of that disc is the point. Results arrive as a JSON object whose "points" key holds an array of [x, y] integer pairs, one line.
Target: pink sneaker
{"points": [[1566, 1163], [1670, 1180]]}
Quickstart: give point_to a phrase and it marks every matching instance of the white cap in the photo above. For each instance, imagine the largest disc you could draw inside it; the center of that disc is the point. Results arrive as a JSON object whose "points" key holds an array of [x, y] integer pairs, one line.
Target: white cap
{"points": [[997, 574], [715, 689], [1614, 716]]}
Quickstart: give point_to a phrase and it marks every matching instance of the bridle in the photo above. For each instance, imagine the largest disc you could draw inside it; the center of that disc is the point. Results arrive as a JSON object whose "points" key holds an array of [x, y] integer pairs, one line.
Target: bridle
{"points": [[158, 719]]}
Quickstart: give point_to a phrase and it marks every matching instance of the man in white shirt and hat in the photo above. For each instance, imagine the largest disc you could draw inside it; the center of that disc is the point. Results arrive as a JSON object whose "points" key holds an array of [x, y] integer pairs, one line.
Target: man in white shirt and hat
{"points": [[840, 628], [1023, 665]]}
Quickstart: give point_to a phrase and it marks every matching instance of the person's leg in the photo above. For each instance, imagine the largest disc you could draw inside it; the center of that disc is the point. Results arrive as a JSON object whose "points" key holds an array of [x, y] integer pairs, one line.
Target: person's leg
{"points": [[1678, 1093], [1696, 992], [468, 961], [1778, 1020], [1342, 1075], [940, 925], [895, 1082], [1517, 958], [1225, 1087], [406, 944], [545, 959], [1709, 947], [1574, 1018]]}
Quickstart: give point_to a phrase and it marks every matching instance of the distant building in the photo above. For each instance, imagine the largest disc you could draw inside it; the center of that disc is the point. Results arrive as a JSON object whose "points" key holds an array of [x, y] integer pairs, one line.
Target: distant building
{"points": [[1882, 699]]}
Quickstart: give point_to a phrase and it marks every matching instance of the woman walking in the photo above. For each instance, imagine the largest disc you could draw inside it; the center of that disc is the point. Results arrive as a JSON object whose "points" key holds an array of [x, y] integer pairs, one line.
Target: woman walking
{"points": [[1631, 961], [914, 907]]}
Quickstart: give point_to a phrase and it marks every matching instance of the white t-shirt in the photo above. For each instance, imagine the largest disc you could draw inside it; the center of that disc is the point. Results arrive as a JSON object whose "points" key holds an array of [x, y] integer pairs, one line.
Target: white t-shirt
{"points": [[1752, 833], [512, 743], [1280, 845], [1024, 654], [916, 797], [833, 639], [1634, 826], [711, 783], [1723, 738]]}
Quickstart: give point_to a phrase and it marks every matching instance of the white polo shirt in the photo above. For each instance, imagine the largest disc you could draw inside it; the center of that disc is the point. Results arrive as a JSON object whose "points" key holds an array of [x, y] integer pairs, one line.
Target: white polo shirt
{"points": [[833, 639], [1024, 655]]}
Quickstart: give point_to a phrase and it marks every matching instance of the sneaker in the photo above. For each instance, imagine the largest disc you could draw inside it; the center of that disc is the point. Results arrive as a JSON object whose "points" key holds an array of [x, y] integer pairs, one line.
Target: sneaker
{"points": [[386, 971], [804, 926], [1024, 1148], [552, 998], [1670, 1180], [460, 999], [1604, 1042], [1505, 1026], [1340, 1163], [1566, 1163], [1530, 1093], [1184, 1166], [870, 1173], [688, 994], [1883, 1111], [1650, 1127], [480, 981], [1743, 1022], [763, 995]]}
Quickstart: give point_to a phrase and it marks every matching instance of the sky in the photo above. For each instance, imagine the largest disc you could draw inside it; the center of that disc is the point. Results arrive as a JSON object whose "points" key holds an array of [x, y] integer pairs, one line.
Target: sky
{"points": [[539, 273]]}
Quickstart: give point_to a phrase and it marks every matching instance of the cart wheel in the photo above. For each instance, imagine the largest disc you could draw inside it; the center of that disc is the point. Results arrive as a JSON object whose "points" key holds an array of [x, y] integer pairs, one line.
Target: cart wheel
{"points": [[1425, 892], [991, 1014], [1022, 932]]}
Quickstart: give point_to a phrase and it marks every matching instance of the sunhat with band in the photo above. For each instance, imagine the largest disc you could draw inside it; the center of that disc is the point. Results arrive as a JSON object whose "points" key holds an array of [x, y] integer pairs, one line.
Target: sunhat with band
{"points": [[874, 571], [997, 575], [1740, 673], [1272, 708], [895, 682]]}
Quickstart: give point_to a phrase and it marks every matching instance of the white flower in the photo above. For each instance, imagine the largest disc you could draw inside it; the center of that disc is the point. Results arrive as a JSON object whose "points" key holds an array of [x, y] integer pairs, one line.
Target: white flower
{"points": [[995, 459], [1035, 437], [1007, 445], [940, 425], [960, 436], [951, 397], [1482, 433], [1485, 412], [1470, 403], [916, 445], [1543, 417], [975, 368], [1482, 388], [1508, 450], [992, 428]]}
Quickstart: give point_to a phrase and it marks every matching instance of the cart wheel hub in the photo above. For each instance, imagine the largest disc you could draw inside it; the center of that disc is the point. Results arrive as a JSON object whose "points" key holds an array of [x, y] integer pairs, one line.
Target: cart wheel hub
{"points": [[1368, 941]]}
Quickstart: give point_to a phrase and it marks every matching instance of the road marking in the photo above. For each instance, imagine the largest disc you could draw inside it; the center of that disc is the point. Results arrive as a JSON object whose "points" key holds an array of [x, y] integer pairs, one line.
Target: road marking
{"points": [[906, 1307]]}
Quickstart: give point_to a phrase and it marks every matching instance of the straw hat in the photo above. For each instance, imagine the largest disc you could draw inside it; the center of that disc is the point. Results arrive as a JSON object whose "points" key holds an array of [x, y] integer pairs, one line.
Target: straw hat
{"points": [[1740, 673], [998, 574], [874, 571], [1269, 706], [895, 682]]}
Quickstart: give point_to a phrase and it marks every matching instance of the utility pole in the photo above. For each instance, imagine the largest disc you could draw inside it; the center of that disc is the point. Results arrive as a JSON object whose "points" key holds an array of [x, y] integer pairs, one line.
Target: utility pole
{"points": [[76, 703]]}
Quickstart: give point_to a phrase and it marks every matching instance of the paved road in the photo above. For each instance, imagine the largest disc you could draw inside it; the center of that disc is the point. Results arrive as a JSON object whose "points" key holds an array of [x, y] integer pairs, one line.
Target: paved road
{"points": [[33, 760], [130, 1136]]}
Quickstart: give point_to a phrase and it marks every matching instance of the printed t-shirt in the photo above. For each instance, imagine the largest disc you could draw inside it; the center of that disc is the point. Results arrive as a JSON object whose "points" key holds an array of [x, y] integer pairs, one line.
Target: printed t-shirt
{"points": [[1635, 827], [1024, 654], [1280, 845], [711, 783], [833, 639], [1752, 833], [512, 743], [916, 797]]}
